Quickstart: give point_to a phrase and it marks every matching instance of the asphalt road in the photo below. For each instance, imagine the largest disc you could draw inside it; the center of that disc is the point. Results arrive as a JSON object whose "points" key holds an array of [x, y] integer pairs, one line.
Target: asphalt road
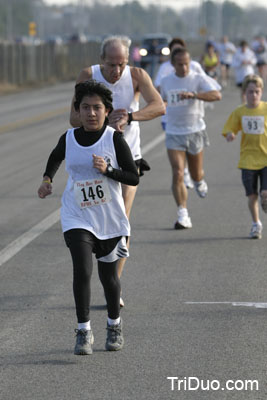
{"points": [[195, 314]]}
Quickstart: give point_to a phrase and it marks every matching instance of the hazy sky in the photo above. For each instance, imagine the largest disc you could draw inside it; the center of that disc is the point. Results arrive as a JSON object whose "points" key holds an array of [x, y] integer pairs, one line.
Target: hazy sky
{"points": [[170, 3]]}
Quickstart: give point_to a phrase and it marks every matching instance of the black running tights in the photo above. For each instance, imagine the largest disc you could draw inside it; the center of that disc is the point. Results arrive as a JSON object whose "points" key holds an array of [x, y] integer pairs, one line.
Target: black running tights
{"points": [[82, 259]]}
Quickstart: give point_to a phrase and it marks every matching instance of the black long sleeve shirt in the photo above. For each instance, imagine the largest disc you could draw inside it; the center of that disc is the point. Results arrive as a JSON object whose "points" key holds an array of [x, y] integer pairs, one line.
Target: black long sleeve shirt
{"points": [[127, 173]]}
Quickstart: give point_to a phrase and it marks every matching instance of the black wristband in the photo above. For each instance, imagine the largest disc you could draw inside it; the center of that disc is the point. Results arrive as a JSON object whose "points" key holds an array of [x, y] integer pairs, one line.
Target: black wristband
{"points": [[130, 118]]}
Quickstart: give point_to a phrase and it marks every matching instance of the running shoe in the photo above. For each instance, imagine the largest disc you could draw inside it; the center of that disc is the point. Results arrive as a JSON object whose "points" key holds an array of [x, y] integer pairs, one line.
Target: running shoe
{"points": [[187, 180], [201, 188], [121, 302], [183, 221], [84, 340], [115, 339], [264, 201], [256, 231]]}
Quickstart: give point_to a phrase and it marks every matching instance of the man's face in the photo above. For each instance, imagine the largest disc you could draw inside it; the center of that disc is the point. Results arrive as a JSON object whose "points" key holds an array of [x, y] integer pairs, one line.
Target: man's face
{"points": [[181, 64], [114, 62]]}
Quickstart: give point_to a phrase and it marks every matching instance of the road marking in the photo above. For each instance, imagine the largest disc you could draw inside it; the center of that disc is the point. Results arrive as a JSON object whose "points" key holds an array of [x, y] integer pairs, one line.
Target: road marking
{"points": [[27, 237], [233, 303], [18, 244], [31, 120]]}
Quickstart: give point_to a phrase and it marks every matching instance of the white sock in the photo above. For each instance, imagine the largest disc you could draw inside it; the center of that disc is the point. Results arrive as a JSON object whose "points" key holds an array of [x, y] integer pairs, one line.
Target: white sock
{"points": [[112, 322], [257, 223], [182, 211], [199, 182], [85, 325]]}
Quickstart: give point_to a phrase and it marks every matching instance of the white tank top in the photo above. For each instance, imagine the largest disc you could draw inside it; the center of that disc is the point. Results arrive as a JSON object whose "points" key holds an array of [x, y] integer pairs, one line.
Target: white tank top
{"points": [[91, 200], [123, 97]]}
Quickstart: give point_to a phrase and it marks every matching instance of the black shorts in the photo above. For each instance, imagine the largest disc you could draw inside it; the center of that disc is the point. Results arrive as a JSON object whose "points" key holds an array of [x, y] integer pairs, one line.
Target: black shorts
{"points": [[250, 179], [226, 65], [103, 249]]}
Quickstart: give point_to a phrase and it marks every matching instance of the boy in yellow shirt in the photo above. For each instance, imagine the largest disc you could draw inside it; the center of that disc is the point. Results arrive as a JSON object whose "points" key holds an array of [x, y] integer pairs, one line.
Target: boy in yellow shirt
{"points": [[251, 120]]}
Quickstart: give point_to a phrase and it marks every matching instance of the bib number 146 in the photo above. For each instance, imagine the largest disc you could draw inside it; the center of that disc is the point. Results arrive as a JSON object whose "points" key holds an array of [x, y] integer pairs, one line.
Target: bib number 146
{"points": [[92, 192]]}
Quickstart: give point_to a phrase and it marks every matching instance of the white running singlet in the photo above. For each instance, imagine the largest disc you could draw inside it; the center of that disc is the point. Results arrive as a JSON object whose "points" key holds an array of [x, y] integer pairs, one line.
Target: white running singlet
{"points": [[91, 200], [123, 97]]}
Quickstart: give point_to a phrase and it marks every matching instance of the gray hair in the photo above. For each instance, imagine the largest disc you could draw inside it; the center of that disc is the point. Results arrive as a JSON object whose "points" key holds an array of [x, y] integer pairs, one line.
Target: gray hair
{"points": [[116, 40]]}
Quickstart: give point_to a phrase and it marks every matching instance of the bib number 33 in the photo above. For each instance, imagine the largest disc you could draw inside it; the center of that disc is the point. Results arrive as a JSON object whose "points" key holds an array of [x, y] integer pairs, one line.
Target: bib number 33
{"points": [[91, 193]]}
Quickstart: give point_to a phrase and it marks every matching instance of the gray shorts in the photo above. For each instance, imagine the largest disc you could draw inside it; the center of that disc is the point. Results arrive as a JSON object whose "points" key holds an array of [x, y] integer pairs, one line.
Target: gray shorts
{"points": [[192, 143]]}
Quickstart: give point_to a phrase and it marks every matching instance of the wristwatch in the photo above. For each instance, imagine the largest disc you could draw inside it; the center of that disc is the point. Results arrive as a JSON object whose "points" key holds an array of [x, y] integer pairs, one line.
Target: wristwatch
{"points": [[130, 118], [110, 168]]}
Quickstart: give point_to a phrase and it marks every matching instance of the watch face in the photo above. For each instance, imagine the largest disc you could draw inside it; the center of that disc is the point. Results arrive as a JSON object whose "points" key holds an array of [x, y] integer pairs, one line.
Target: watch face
{"points": [[110, 168]]}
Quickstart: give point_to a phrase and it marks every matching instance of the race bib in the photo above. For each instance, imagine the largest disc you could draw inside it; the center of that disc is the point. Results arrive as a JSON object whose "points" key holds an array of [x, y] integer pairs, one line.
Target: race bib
{"points": [[253, 124], [92, 192], [174, 99]]}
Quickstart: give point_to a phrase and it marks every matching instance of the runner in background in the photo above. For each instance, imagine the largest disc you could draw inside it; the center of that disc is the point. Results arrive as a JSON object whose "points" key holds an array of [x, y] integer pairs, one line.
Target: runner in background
{"points": [[251, 120], [210, 61], [184, 92], [226, 51], [244, 61], [165, 69]]}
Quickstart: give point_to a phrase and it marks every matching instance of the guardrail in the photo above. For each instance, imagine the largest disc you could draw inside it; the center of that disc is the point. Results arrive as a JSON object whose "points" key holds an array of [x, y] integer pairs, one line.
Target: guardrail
{"points": [[27, 64]]}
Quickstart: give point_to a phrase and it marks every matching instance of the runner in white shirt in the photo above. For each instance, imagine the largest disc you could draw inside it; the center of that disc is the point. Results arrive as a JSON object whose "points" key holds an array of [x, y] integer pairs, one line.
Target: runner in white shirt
{"points": [[184, 92], [167, 68], [226, 51], [243, 63]]}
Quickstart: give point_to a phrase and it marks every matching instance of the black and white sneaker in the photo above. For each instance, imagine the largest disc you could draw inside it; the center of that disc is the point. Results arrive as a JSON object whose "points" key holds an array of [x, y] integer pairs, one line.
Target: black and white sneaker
{"points": [[115, 339], [84, 341]]}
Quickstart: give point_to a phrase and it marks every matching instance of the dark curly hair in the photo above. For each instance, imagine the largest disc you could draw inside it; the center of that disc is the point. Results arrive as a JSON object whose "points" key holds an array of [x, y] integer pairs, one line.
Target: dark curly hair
{"points": [[90, 88]]}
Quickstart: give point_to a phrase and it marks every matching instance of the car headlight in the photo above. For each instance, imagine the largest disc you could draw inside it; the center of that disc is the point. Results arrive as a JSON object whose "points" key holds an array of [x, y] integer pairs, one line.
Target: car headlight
{"points": [[165, 51], [143, 52]]}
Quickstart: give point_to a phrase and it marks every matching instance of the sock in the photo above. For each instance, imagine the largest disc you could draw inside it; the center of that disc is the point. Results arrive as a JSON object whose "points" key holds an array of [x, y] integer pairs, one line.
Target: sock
{"points": [[112, 322], [257, 223], [85, 325], [182, 210], [199, 182]]}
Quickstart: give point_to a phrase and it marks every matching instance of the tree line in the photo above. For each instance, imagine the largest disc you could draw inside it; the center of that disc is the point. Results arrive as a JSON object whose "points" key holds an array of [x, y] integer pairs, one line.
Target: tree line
{"points": [[132, 18]]}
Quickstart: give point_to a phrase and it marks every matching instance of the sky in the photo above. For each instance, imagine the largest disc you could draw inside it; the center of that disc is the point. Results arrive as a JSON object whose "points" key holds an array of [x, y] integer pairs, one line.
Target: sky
{"points": [[169, 3]]}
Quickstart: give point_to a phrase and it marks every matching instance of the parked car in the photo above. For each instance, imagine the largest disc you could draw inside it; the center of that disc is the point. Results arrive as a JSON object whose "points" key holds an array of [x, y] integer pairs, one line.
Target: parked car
{"points": [[154, 50]]}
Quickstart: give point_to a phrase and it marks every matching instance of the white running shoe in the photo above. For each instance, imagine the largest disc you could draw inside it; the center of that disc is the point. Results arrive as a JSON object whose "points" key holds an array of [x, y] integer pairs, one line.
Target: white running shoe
{"points": [[184, 221], [201, 188], [121, 302], [256, 231], [187, 179]]}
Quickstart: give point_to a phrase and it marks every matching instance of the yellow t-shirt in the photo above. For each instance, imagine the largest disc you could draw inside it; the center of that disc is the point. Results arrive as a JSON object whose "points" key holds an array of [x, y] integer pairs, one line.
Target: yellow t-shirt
{"points": [[252, 122]]}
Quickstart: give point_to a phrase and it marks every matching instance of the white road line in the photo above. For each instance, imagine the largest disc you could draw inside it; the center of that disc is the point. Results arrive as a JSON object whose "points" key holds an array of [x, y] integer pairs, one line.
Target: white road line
{"points": [[27, 237], [233, 303], [18, 244]]}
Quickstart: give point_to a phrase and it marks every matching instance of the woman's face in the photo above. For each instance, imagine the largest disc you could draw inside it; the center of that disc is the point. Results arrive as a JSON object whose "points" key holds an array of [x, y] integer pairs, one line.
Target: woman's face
{"points": [[92, 112]]}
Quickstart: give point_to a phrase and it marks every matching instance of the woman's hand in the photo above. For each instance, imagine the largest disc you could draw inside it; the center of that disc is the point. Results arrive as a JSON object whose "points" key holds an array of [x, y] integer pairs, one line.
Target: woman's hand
{"points": [[99, 163], [45, 189]]}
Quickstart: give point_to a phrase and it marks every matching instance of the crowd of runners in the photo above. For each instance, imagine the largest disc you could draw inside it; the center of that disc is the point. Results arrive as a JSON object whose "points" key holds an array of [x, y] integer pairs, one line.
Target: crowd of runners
{"points": [[103, 157]]}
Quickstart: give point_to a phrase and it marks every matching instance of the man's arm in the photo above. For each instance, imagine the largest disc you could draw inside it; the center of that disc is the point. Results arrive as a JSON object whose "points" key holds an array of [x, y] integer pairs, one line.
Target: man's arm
{"points": [[154, 105], [84, 75], [212, 95]]}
